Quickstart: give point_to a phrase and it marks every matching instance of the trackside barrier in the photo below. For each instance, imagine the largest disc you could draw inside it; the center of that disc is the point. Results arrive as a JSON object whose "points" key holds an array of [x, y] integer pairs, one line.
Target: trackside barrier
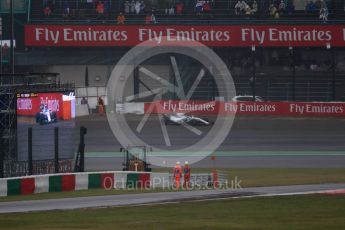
{"points": [[72, 182], [293, 109], [203, 180], [89, 180]]}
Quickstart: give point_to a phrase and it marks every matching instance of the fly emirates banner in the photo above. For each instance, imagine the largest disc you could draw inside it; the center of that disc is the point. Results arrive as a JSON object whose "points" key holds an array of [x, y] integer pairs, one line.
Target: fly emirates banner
{"points": [[333, 109], [131, 35]]}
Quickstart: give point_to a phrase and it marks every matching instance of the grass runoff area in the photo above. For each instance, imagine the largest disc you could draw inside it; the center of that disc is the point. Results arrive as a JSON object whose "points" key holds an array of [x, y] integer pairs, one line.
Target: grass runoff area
{"points": [[248, 177], [315, 212]]}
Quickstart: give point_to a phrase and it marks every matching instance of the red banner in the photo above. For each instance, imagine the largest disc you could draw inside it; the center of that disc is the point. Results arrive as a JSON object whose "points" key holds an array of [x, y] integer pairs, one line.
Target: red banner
{"points": [[247, 108], [29, 104], [215, 35]]}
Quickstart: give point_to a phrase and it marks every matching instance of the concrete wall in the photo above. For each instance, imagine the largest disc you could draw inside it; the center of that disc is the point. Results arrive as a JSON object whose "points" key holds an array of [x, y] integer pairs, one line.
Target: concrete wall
{"points": [[162, 71], [98, 78], [98, 74]]}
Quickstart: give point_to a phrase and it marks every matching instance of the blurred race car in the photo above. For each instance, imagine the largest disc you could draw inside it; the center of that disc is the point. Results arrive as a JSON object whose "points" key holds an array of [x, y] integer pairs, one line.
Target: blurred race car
{"points": [[241, 98], [45, 116], [181, 118]]}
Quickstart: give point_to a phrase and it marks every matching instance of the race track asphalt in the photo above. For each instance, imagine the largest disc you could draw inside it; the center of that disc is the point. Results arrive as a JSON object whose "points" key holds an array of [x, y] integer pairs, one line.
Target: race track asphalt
{"points": [[161, 197], [254, 142]]}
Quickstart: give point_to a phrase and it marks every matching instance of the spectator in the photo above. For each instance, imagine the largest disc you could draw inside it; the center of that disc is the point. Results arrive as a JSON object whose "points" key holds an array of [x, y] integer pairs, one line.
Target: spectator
{"points": [[254, 7], [282, 7], [65, 12], [247, 10], [198, 7], [100, 9], [238, 7], [170, 11], [47, 11], [310, 7], [132, 8], [179, 8], [206, 8], [126, 7], [121, 19], [137, 7], [324, 14], [244, 6], [273, 11], [142, 7]]}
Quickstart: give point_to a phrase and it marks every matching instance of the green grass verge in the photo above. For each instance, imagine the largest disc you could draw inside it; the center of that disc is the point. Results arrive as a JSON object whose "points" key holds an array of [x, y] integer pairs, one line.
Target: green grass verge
{"points": [[249, 178], [316, 212]]}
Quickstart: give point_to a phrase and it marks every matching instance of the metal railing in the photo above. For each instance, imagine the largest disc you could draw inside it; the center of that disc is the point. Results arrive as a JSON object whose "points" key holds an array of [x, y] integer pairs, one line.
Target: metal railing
{"points": [[203, 179]]}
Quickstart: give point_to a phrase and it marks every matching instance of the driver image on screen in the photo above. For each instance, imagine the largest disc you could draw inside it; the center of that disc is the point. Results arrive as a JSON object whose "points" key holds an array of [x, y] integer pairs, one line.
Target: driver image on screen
{"points": [[45, 111]]}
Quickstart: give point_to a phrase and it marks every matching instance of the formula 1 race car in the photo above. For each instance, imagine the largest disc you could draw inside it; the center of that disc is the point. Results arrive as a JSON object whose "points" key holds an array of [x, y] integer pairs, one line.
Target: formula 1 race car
{"points": [[46, 116], [180, 118]]}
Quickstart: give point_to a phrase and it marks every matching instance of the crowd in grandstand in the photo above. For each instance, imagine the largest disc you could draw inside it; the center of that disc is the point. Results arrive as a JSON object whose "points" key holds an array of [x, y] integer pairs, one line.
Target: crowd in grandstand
{"points": [[242, 7], [102, 9], [137, 7], [202, 7]]}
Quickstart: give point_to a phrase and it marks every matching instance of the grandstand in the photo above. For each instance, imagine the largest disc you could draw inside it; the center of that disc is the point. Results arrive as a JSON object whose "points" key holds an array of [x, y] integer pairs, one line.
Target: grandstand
{"points": [[222, 11], [287, 71]]}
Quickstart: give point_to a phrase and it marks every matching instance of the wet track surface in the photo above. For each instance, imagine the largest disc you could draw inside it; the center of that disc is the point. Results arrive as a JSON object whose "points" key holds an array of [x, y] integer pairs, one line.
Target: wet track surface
{"points": [[254, 142], [291, 142], [247, 133], [161, 197]]}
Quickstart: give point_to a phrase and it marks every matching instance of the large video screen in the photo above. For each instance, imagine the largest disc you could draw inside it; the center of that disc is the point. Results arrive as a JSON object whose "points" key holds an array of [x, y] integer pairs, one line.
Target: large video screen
{"points": [[44, 112]]}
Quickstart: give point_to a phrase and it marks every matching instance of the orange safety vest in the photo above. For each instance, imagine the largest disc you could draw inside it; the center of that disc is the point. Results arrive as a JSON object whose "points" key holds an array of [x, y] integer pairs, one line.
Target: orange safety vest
{"points": [[177, 171]]}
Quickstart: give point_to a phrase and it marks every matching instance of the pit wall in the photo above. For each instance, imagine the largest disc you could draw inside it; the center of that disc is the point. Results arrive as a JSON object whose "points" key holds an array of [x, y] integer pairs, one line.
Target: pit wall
{"points": [[80, 181], [293, 109]]}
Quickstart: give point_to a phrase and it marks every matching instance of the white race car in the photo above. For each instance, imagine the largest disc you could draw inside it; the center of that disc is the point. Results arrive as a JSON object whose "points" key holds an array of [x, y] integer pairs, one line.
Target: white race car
{"points": [[45, 116], [241, 98], [181, 118]]}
